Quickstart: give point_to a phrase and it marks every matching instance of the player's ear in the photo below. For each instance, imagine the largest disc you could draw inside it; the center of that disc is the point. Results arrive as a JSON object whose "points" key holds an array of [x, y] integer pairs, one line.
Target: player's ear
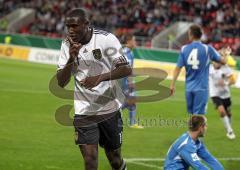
{"points": [[87, 22]]}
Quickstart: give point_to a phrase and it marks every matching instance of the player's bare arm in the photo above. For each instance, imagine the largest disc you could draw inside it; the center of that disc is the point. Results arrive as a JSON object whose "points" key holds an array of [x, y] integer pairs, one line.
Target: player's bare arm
{"points": [[119, 72], [64, 75], [176, 73], [230, 81], [225, 52]]}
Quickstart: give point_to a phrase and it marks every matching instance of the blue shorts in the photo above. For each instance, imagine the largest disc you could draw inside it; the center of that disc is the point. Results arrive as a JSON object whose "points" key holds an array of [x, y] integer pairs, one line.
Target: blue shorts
{"points": [[129, 94], [197, 101]]}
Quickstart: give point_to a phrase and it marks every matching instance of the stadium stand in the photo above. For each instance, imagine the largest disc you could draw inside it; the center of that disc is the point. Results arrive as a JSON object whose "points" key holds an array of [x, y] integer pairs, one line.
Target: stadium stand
{"points": [[145, 18]]}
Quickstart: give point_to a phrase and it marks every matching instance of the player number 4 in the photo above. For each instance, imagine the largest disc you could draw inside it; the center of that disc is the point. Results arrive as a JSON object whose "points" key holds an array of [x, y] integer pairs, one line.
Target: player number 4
{"points": [[193, 60]]}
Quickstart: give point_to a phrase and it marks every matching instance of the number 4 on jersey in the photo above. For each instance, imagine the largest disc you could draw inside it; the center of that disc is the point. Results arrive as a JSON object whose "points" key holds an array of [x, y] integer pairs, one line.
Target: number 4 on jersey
{"points": [[193, 60]]}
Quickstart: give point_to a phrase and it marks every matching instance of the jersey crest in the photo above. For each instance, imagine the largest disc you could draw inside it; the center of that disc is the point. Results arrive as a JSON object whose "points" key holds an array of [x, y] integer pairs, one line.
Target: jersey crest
{"points": [[97, 54]]}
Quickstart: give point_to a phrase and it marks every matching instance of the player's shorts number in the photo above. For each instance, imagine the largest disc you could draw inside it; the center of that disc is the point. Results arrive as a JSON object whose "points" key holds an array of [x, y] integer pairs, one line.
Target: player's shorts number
{"points": [[193, 60]]}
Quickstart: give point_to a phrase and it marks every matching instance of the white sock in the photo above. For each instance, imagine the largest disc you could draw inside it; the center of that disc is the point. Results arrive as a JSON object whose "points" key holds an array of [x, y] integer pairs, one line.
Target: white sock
{"points": [[123, 166], [230, 120], [227, 124]]}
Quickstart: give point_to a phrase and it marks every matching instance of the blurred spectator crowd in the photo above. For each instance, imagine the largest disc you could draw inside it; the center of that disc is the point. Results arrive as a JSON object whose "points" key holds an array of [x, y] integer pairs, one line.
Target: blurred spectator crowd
{"points": [[220, 18]]}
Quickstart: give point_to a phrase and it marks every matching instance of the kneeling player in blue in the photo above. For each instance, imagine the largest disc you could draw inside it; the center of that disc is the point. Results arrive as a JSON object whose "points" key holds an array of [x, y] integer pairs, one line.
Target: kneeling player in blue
{"points": [[195, 57], [188, 150]]}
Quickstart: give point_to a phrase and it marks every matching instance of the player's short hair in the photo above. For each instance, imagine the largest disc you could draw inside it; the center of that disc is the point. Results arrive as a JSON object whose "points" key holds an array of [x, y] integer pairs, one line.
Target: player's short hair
{"points": [[79, 12], [128, 37], [196, 31], [196, 121]]}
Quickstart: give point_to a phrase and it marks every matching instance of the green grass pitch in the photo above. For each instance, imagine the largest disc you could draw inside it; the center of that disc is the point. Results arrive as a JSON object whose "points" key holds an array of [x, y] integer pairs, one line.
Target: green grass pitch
{"points": [[30, 137]]}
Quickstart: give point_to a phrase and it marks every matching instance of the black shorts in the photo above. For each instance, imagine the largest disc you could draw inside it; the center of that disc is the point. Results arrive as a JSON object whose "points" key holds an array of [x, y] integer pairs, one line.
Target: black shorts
{"points": [[226, 103], [105, 130]]}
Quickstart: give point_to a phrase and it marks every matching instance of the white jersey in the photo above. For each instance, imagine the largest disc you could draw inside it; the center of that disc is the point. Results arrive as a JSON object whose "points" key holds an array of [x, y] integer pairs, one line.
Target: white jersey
{"points": [[215, 76], [100, 55]]}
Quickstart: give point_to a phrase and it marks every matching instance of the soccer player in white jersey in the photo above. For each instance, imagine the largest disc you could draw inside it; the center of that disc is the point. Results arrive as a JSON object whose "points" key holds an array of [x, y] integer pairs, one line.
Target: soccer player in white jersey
{"points": [[94, 59], [220, 78]]}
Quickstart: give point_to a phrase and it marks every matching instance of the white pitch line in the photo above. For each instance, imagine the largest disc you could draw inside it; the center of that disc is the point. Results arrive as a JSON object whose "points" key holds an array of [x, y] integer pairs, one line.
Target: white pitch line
{"points": [[52, 167], [136, 161], [26, 91], [144, 159], [228, 159], [162, 159], [144, 164]]}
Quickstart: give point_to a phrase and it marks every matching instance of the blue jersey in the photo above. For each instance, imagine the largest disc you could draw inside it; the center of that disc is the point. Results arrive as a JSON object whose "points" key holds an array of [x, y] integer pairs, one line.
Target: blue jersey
{"points": [[130, 57], [185, 153], [195, 57]]}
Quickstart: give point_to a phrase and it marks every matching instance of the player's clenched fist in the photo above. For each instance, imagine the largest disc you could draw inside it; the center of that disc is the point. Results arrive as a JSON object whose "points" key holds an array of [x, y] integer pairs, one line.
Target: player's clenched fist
{"points": [[90, 82]]}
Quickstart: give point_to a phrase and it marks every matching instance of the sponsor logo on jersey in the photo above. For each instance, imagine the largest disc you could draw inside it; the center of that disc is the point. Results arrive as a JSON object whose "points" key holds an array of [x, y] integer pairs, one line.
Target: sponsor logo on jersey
{"points": [[195, 157]]}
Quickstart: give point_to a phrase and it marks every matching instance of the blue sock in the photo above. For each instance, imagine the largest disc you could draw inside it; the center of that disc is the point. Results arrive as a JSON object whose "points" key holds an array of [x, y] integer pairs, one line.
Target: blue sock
{"points": [[132, 115]]}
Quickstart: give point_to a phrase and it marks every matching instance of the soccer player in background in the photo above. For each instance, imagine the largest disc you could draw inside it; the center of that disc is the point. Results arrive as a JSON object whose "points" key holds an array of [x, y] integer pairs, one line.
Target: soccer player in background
{"points": [[195, 57], [128, 82], [220, 78], [85, 55], [188, 150]]}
